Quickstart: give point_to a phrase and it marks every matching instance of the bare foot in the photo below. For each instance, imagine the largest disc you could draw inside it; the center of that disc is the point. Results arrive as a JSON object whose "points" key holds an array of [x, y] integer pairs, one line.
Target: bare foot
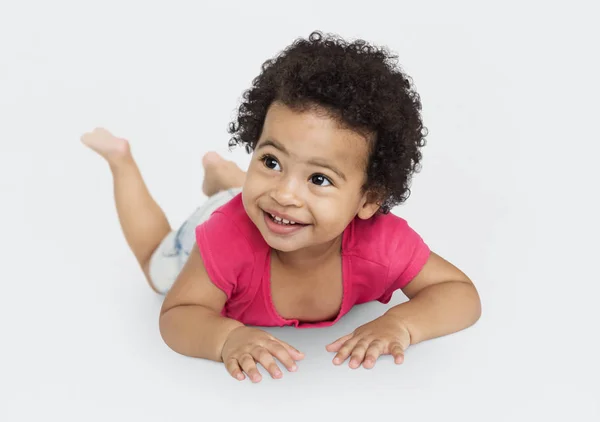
{"points": [[106, 144], [220, 174]]}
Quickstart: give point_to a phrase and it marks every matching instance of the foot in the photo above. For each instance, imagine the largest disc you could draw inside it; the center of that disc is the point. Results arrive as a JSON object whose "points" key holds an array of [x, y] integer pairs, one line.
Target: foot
{"points": [[220, 174], [107, 145]]}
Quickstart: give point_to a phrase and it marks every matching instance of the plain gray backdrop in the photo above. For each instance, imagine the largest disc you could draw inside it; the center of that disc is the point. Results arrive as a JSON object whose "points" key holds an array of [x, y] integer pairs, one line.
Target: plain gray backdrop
{"points": [[508, 193]]}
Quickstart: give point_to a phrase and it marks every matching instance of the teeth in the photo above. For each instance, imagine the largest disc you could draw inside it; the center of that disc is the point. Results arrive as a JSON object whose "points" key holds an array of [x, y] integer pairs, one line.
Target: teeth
{"points": [[282, 220]]}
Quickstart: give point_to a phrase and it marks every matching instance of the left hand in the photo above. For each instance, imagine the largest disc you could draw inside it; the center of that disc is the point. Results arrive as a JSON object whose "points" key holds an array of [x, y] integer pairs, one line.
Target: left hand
{"points": [[386, 335]]}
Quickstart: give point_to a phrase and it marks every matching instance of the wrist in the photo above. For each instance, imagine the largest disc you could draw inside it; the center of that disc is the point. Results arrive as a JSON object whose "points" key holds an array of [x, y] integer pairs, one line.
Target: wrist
{"points": [[233, 326], [402, 325]]}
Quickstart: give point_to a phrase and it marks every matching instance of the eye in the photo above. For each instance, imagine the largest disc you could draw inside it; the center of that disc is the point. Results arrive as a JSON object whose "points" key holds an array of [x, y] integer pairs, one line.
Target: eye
{"points": [[270, 162], [320, 180]]}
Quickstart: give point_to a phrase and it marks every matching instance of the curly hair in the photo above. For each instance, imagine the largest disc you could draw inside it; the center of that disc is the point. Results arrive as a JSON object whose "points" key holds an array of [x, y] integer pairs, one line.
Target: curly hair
{"points": [[358, 85]]}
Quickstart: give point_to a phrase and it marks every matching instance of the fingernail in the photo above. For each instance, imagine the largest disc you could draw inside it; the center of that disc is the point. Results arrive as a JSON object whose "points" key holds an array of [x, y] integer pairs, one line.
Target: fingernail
{"points": [[293, 368], [336, 360], [277, 374], [240, 377]]}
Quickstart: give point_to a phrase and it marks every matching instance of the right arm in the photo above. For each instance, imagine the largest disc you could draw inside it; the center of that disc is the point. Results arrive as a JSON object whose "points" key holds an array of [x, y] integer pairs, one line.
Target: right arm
{"points": [[191, 324], [190, 319]]}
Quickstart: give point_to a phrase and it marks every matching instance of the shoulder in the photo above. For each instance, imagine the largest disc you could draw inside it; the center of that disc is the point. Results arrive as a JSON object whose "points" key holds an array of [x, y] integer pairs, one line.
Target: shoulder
{"points": [[229, 246], [230, 224], [388, 243], [380, 233]]}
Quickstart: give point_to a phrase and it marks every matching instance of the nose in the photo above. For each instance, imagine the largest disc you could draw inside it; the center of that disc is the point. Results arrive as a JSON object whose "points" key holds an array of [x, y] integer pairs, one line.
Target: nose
{"points": [[286, 193]]}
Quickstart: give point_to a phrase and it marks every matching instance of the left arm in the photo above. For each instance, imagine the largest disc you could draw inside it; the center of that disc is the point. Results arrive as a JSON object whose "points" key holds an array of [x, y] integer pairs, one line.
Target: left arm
{"points": [[443, 300]]}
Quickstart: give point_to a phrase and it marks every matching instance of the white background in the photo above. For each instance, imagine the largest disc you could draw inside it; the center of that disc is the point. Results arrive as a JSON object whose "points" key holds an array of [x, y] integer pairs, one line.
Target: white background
{"points": [[508, 192]]}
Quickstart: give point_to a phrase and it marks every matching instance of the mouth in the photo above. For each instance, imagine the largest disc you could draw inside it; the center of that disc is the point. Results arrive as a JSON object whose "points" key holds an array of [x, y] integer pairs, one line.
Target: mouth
{"points": [[281, 225], [282, 221]]}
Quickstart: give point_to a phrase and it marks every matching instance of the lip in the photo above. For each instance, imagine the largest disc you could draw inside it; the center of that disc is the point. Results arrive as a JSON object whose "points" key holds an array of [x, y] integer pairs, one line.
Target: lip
{"points": [[281, 229], [285, 217]]}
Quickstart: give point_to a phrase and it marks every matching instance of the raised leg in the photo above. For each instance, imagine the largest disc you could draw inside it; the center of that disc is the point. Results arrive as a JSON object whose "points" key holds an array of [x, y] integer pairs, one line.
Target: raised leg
{"points": [[143, 222]]}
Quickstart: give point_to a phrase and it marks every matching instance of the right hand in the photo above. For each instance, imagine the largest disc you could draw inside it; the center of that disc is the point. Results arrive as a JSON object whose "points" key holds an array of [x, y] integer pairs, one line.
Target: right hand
{"points": [[246, 346]]}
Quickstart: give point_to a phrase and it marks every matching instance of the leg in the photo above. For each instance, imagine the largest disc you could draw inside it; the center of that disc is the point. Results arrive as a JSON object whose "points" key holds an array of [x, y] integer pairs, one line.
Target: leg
{"points": [[220, 174], [143, 222], [222, 181]]}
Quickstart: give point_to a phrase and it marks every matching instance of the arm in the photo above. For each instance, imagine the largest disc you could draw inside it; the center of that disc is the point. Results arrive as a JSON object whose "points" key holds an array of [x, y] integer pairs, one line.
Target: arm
{"points": [[191, 324], [190, 319], [443, 300]]}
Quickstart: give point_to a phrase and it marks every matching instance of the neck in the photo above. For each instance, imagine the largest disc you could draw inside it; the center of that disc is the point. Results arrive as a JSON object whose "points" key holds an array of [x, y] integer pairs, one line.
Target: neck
{"points": [[310, 258]]}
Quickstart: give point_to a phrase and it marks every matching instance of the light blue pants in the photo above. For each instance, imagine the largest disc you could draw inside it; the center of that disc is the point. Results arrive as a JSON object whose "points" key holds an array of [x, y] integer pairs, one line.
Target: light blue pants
{"points": [[172, 253]]}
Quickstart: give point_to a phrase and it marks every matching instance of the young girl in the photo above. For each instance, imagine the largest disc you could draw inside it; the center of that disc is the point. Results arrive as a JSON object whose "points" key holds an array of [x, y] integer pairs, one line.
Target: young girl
{"points": [[335, 133]]}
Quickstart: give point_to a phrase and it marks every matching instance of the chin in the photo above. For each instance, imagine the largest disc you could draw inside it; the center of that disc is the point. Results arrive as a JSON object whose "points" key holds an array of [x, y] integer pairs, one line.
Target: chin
{"points": [[281, 245]]}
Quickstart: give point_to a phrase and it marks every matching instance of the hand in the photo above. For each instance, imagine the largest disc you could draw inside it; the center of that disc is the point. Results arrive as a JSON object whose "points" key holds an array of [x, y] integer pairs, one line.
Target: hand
{"points": [[384, 336], [246, 346]]}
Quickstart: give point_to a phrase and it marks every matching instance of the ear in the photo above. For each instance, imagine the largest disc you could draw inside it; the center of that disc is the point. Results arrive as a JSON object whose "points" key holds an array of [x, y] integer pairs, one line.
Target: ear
{"points": [[369, 205]]}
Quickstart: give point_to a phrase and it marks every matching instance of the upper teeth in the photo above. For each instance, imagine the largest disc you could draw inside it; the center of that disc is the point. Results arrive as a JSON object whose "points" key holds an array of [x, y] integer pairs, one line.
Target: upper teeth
{"points": [[283, 220]]}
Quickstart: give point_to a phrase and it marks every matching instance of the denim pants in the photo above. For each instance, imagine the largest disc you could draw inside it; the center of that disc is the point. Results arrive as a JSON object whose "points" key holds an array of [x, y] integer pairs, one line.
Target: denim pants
{"points": [[170, 256]]}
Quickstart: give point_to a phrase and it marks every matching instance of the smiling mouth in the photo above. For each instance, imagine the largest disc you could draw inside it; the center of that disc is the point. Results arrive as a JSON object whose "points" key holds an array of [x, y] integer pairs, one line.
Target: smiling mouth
{"points": [[283, 221]]}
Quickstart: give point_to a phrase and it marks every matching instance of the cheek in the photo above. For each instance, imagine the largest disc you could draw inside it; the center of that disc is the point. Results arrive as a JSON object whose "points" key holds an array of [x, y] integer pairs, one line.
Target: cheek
{"points": [[252, 182], [255, 187], [335, 213], [255, 175], [330, 214]]}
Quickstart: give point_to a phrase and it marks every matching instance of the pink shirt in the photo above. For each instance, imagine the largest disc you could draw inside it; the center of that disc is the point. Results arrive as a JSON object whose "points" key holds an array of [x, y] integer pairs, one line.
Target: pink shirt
{"points": [[379, 256]]}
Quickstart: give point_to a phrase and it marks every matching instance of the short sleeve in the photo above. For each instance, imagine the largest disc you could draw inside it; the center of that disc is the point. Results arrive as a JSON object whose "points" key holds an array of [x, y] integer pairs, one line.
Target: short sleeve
{"points": [[226, 253], [407, 257]]}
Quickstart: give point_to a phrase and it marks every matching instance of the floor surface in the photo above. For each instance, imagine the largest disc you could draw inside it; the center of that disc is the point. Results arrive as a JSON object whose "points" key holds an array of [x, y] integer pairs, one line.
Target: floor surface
{"points": [[506, 193]]}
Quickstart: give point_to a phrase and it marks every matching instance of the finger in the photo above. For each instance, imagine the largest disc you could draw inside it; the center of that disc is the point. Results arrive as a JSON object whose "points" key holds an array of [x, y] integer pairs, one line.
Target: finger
{"points": [[358, 354], [397, 351], [249, 366], [334, 347], [264, 357], [373, 352], [295, 353], [233, 367], [344, 352], [283, 355]]}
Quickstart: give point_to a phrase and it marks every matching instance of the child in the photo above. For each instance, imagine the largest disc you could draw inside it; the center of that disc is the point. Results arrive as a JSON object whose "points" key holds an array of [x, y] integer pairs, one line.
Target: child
{"points": [[335, 134]]}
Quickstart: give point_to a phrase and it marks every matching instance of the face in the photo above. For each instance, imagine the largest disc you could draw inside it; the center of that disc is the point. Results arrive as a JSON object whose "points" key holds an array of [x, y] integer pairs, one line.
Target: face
{"points": [[308, 171]]}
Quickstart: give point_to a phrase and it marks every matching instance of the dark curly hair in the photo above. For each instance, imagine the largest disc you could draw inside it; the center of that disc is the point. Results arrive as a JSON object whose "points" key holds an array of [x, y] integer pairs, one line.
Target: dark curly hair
{"points": [[358, 85]]}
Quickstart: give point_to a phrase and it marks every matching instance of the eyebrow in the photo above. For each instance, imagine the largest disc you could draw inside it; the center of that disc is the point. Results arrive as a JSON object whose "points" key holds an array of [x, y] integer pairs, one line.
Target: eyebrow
{"points": [[313, 161]]}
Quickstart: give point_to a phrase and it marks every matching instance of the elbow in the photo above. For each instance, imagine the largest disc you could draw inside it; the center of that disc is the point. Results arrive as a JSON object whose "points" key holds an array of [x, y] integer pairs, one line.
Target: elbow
{"points": [[173, 333], [475, 305], [165, 327], [470, 303]]}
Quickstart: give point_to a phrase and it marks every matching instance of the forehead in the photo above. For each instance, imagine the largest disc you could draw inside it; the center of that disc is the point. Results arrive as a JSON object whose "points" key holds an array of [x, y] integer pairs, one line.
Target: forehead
{"points": [[313, 134]]}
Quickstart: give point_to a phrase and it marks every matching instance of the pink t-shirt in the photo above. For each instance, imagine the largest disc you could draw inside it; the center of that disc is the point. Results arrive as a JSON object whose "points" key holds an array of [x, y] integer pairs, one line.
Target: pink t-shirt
{"points": [[379, 256]]}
